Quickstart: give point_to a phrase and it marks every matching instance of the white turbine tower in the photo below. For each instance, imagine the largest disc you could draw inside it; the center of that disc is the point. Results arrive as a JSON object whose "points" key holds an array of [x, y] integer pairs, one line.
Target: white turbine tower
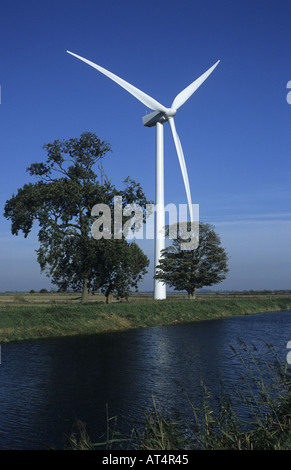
{"points": [[160, 115]]}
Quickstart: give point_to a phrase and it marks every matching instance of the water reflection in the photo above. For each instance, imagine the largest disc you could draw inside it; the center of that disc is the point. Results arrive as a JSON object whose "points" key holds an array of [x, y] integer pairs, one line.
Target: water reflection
{"points": [[45, 385]]}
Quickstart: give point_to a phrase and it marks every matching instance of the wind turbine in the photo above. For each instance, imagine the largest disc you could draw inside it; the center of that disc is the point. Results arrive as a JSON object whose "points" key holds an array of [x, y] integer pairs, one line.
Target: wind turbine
{"points": [[160, 115]]}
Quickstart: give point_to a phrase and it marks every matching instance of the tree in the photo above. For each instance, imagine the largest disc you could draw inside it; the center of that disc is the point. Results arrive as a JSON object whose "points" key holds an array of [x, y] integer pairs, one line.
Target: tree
{"points": [[191, 269], [122, 265], [70, 183]]}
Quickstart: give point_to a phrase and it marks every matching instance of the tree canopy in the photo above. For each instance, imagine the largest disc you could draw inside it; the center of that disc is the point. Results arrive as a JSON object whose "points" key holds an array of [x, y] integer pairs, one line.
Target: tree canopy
{"points": [[70, 182], [191, 269]]}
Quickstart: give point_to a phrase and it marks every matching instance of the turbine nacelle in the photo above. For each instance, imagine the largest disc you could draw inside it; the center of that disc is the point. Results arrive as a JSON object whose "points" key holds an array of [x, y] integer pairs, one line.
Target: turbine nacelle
{"points": [[150, 120]]}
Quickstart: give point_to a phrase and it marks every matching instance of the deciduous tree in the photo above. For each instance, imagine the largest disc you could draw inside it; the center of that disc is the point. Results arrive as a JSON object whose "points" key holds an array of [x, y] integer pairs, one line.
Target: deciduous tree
{"points": [[70, 182], [192, 269]]}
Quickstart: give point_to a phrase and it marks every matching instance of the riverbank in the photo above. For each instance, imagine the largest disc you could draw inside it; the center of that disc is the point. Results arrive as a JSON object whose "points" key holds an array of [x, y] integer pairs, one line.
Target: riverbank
{"points": [[23, 322]]}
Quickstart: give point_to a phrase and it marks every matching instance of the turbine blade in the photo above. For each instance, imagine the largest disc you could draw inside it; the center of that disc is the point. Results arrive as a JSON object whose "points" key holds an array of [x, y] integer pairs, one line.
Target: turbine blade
{"points": [[189, 90], [140, 95], [182, 164]]}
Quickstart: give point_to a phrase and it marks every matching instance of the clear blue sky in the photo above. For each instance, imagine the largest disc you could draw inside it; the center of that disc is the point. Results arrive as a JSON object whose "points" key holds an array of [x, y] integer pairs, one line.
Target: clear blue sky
{"points": [[235, 130]]}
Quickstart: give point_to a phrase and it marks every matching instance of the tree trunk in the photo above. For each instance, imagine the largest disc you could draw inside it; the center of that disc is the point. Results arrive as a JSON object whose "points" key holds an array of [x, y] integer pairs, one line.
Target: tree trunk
{"points": [[85, 293], [192, 295], [108, 295]]}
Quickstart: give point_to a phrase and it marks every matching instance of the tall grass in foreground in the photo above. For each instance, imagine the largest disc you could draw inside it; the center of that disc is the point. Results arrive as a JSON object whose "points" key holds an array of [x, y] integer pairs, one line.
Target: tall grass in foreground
{"points": [[255, 415]]}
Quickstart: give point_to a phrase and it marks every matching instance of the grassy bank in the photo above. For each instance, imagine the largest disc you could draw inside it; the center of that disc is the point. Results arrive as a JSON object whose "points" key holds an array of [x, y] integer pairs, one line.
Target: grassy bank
{"points": [[30, 321]]}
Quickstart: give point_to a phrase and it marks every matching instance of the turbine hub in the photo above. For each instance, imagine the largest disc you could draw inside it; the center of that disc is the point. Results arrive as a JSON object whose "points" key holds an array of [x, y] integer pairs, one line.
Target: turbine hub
{"points": [[170, 112]]}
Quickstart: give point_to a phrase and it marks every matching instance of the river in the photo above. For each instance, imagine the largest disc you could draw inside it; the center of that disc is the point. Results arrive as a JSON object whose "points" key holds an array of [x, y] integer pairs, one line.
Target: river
{"points": [[45, 385]]}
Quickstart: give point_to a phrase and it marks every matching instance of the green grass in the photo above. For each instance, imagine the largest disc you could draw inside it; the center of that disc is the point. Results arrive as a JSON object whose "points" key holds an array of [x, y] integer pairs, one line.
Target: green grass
{"points": [[29, 321]]}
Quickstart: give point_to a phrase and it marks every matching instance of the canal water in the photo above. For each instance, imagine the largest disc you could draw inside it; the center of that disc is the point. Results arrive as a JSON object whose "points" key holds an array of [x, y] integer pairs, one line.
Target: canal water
{"points": [[46, 385]]}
